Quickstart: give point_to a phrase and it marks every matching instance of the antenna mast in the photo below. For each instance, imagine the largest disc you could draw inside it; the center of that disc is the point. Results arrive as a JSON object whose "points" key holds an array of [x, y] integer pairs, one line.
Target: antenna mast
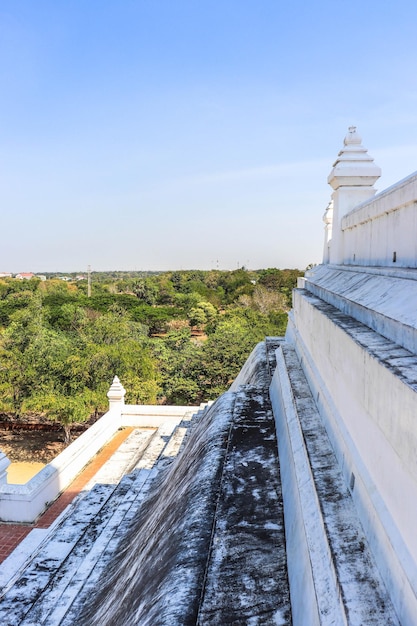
{"points": [[89, 281]]}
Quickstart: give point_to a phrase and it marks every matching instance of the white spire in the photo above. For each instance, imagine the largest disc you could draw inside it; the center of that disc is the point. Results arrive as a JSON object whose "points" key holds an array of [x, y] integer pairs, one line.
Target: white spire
{"points": [[354, 167], [116, 394]]}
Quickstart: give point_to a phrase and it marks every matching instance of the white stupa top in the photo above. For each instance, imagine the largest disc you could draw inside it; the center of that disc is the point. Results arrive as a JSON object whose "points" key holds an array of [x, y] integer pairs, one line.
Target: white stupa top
{"points": [[354, 167]]}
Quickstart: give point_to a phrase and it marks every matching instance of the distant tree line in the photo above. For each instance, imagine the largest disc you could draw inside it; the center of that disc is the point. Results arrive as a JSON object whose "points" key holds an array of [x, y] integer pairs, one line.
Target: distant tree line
{"points": [[172, 337]]}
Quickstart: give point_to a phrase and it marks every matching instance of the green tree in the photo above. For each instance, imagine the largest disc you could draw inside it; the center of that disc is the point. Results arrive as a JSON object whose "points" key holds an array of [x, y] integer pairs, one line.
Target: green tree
{"points": [[236, 283], [203, 313], [67, 410], [223, 355], [178, 360], [187, 301], [146, 290]]}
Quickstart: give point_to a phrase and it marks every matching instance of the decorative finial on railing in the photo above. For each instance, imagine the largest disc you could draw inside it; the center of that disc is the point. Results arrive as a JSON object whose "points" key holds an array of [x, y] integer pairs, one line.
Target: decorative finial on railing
{"points": [[352, 179], [116, 394]]}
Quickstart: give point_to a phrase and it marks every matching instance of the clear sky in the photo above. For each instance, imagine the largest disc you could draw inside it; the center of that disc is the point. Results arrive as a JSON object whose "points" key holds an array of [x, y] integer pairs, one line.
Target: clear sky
{"points": [[177, 134]]}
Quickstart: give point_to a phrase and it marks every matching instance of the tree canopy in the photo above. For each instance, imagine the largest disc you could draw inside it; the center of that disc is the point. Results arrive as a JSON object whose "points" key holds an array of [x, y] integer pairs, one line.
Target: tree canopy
{"points": [[172, 337]]}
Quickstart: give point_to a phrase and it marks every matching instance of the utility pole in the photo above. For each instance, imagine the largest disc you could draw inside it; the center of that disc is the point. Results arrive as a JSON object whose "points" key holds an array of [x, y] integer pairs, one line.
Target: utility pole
{"points": [[89, 281]]}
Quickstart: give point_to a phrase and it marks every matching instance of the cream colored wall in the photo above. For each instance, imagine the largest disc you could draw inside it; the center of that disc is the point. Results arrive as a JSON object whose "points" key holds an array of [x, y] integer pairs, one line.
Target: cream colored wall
{"points": [[388, 223], [370, 415]]}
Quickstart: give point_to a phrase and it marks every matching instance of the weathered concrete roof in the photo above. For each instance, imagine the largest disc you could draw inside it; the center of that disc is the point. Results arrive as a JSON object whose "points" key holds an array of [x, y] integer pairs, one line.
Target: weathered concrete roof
{"points": [[199, 538]]}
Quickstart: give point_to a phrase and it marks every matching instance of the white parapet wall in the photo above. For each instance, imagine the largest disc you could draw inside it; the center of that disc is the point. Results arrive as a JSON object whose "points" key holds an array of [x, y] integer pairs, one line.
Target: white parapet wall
{"points": [[367, 395], [362, 228], [25, 503], [383, 230], [150, 415]]}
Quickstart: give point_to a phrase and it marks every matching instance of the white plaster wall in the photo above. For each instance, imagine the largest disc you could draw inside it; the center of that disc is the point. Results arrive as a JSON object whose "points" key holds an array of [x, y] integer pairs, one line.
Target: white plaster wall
{"points": [[343, 200], [371, 418], [154, 415], [376, 229], [379, 410], [24, 503]]}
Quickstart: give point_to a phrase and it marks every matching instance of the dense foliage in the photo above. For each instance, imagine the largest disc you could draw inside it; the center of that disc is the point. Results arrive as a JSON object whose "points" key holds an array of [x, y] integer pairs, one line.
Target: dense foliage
{"points": [[173, 337]]}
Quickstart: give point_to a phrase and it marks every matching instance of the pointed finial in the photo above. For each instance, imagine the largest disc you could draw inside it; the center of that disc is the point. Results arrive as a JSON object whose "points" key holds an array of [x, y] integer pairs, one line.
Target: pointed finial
{"points": [[352, 136], [328, 214], [354, 167], [116, 394]]}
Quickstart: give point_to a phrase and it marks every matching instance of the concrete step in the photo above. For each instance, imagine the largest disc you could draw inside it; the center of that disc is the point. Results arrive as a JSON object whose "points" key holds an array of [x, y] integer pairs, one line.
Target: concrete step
{"points": [[272, 344], [246, 578], [43, 568], [381, 298], [77, 595], [191, 420], [88, 560], [174, 444], [52, 580], [111, 473], [164, 446], [20, 557], [160, 562], [332, 574], [124, 459]]}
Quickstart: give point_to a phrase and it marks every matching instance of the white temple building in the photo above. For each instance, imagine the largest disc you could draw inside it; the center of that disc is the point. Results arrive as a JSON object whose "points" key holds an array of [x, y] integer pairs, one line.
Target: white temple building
{"points": [[353, 327], [292, 499]]}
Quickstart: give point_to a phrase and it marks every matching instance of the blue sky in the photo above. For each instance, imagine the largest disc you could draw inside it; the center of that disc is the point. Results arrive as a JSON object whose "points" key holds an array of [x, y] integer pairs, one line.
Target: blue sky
{"points": [[169, 134]]}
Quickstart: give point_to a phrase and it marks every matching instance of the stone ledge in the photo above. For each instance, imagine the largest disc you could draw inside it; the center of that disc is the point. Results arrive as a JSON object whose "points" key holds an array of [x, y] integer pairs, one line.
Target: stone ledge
{"points": [[369, 413], [381, 300], [333, 577]]}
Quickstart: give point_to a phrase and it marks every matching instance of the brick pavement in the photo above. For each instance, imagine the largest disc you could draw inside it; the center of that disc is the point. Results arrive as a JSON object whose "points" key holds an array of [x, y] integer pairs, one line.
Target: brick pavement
{"points": [[12, 534]]}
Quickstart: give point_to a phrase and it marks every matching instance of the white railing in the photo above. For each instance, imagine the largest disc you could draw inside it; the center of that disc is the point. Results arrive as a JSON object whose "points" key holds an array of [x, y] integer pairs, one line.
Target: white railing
{"points": [[25, 503], [383, 231]]}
